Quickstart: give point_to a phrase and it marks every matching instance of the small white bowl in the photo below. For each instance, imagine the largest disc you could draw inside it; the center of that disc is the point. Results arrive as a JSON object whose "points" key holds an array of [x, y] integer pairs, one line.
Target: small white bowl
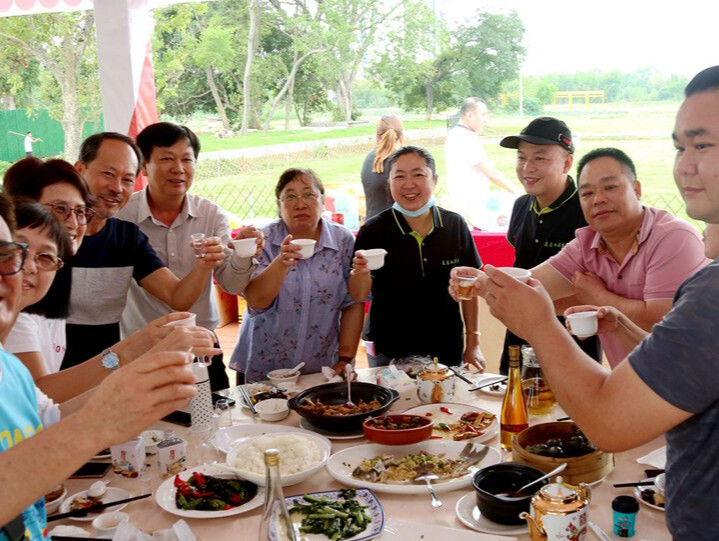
{"points": [[659, 482], [307, 247], [107, 523], [272, 409], [279, 378], [523, 275], [375, 258], [245, 247], [584, 324], [54, 505]]}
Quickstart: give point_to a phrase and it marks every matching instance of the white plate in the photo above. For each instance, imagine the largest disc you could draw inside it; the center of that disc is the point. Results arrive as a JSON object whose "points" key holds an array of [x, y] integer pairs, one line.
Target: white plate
{"points": [[638, 496], [234, 459], [366, 498], [306, 425], [165, 496], [439, 416], [488, 390], [112, 494], [150, 439], [227, 437], [255, 388], [341, 464], [405, 530], [469, 514]]}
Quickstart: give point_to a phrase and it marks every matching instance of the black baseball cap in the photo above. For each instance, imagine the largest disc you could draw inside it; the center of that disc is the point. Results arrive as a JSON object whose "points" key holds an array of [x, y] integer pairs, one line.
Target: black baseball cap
{"points": [[544, 130]]}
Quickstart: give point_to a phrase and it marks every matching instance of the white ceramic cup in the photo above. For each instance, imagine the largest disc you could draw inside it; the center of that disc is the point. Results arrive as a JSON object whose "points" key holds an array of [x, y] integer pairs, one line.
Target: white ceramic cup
{"points": [[187, 322], [583, 324], [245, 247], [523, 275], [107, 523], [307, 247], [375, 258]]}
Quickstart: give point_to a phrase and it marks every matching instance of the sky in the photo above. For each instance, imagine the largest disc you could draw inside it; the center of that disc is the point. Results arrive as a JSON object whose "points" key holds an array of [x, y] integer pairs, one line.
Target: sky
{"points": [[678, 38]]}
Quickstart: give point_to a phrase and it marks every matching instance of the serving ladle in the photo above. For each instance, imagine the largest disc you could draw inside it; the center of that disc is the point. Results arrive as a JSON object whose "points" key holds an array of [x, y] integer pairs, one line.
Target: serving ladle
{"points": [[428, 478], [555, 471], [348, 376], [292, 371]]}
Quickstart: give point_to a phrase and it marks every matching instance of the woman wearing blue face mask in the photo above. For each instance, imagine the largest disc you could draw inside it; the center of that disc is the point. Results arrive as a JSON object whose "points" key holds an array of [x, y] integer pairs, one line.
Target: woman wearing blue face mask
{"points": [[412, 312]]}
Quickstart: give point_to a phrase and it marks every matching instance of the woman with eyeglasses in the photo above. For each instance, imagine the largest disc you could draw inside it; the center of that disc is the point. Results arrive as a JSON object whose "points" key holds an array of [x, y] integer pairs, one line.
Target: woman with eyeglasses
{"points": [[38, 337], [299, 310]]}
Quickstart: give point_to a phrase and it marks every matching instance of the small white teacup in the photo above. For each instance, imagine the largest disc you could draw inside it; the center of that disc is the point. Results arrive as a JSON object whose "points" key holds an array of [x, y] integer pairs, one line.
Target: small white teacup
{"points": [[523, 275], [245, 247], [307, 247], [375, 258], [107, 523], [583, 324], [190, 321]]}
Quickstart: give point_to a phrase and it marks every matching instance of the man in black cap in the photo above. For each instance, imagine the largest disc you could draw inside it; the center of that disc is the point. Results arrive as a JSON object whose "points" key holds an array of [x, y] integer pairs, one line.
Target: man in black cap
{"points": [[544, 219]]}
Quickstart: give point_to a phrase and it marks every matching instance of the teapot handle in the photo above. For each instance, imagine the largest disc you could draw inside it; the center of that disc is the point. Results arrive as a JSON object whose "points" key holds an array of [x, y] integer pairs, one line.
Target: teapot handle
{"points": [[586, 491]]}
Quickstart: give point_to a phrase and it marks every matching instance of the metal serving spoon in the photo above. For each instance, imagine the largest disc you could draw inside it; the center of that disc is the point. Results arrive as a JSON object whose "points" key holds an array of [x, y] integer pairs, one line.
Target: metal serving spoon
{"points": [[552, 473], [348, 375], [428, 478]]}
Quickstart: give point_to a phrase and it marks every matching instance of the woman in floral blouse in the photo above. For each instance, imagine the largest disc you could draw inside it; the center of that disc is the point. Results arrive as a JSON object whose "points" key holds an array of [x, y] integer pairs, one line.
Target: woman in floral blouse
{"points": [[299, 310]]}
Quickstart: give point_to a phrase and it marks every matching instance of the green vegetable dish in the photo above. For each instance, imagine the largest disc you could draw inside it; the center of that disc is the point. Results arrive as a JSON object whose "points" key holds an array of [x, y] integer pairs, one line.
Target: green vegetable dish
{"points": [[206, 493], [340, 519]]}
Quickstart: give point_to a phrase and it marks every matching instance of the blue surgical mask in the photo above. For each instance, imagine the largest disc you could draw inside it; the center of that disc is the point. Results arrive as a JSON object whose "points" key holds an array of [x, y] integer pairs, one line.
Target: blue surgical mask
{"points": [[415, 213]]}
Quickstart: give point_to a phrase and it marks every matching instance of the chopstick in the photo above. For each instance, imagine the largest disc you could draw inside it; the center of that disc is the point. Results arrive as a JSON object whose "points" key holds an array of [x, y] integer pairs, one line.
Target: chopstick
{"points": [[460, 376], [246, 398], [94, 508], [71, 538], [489, 384], [637, 484], [564, 419]]}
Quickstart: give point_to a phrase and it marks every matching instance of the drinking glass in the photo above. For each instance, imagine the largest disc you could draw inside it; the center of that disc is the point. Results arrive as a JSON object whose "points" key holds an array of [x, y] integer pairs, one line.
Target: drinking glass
{"points": [[198, 241], [222, 417], [200, 451]]}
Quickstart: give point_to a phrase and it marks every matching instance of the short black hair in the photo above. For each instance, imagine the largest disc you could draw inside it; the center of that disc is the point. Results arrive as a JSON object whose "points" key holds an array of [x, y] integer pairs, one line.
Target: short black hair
{"points": [[295, 173], [56, 302], [165, 134], [91, 146], [27, 178], [411, 149], [470, 104], [608, 152], [703, 81]]}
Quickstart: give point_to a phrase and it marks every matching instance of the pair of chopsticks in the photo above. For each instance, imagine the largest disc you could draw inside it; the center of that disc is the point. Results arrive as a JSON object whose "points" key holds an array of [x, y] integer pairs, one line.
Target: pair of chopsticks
{"points": [[93, 509], [637, 484], [455, 370], [246, 398], [490, 383]]}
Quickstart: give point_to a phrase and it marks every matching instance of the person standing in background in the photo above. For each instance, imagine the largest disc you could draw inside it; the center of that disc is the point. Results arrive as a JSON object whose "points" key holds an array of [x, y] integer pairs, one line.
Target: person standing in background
{"points": [[469, 170], [375, 172], [28, 141]]}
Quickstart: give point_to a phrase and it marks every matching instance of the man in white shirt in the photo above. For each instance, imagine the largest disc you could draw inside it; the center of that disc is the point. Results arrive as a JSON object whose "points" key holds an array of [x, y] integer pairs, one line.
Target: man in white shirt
{"points": [[469, 170], [28, 141], [167, 214]]}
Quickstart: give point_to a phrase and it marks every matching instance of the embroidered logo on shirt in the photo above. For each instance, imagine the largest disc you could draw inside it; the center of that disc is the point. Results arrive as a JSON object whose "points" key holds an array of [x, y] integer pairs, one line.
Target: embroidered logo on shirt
{"points": [[446, 262]]}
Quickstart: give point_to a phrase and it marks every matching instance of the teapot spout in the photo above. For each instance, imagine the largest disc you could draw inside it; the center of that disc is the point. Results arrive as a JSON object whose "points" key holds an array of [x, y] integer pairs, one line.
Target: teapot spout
{"points": [[535, 532]]}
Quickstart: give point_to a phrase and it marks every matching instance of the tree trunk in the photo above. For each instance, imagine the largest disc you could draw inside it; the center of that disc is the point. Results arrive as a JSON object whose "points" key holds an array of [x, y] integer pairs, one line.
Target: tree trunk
{"points": [[289, 100], [252, 42], [210, 74], [71, 117], [430, 99]]}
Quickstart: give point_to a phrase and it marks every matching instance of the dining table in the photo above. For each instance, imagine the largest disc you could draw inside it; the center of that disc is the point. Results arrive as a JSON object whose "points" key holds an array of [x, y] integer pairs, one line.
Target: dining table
{"points": [[412, 515]]}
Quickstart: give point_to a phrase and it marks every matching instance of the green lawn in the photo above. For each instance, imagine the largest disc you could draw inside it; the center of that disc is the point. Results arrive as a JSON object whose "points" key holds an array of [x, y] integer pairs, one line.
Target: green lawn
{"points": [[245, 187]]}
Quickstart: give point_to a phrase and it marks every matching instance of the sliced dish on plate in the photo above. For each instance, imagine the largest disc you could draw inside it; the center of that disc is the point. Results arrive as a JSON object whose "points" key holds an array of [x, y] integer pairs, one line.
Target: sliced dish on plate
{"points": [[650, 496], [81, 499], [458, 422]]}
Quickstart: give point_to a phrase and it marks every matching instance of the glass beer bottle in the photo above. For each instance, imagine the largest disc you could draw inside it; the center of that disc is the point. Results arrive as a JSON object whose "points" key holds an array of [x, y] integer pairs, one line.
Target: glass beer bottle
{"points": [[514, 417], [275, 508]]}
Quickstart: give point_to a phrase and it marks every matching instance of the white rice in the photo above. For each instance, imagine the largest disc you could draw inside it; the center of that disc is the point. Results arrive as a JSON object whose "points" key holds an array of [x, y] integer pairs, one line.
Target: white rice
{"points": [[297, 453]]}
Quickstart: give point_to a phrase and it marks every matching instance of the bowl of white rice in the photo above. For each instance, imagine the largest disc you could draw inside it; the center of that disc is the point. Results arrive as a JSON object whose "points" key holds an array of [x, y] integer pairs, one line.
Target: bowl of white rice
{"points": [[301, 455]]}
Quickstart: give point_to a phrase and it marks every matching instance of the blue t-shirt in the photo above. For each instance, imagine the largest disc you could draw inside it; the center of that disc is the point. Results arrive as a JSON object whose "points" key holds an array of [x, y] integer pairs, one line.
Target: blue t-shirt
{"points": [[679, 361], [102, 271], [19, 420]]}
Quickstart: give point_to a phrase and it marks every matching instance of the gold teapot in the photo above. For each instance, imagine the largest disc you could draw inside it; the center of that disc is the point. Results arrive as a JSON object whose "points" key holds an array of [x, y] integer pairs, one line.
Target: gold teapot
{"points": [[435, 383], [559, 511]]}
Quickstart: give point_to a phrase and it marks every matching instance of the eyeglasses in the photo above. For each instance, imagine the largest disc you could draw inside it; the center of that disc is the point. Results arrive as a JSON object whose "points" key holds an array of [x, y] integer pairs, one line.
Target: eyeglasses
{"points": [[291, 200], [83, 214], [12, 257], [47, 262]]}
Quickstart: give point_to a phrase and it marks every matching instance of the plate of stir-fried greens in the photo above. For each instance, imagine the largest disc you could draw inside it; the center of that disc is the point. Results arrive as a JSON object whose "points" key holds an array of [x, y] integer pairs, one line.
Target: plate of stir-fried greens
{"points": [[337, 515]]}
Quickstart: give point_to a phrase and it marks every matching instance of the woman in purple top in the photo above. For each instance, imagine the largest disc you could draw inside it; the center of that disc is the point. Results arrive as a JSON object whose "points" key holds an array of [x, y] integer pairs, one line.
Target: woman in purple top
{"points": [[299, 310]]}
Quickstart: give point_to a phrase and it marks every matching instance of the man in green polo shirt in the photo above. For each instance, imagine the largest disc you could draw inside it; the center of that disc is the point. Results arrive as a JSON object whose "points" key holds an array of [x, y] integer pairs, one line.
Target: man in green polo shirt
{"points": [[544, 219]]}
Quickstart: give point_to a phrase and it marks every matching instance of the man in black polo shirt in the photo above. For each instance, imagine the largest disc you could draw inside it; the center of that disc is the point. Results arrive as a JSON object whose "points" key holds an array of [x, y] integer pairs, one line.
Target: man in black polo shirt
{"points": [[544, 219], [412, 312]]}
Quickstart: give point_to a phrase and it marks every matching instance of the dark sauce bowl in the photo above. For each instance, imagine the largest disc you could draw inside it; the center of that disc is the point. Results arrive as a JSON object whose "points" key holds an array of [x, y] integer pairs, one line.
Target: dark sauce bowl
{"points": [[505, 478]]}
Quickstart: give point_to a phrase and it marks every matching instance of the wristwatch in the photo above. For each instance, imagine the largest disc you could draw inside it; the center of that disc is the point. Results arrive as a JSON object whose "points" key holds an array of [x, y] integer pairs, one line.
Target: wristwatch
{"points": [[110, 360]]}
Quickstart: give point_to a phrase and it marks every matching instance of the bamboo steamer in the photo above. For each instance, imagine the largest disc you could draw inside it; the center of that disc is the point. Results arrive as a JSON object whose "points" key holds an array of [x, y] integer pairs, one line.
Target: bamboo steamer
{"points": [[582, 469]]}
